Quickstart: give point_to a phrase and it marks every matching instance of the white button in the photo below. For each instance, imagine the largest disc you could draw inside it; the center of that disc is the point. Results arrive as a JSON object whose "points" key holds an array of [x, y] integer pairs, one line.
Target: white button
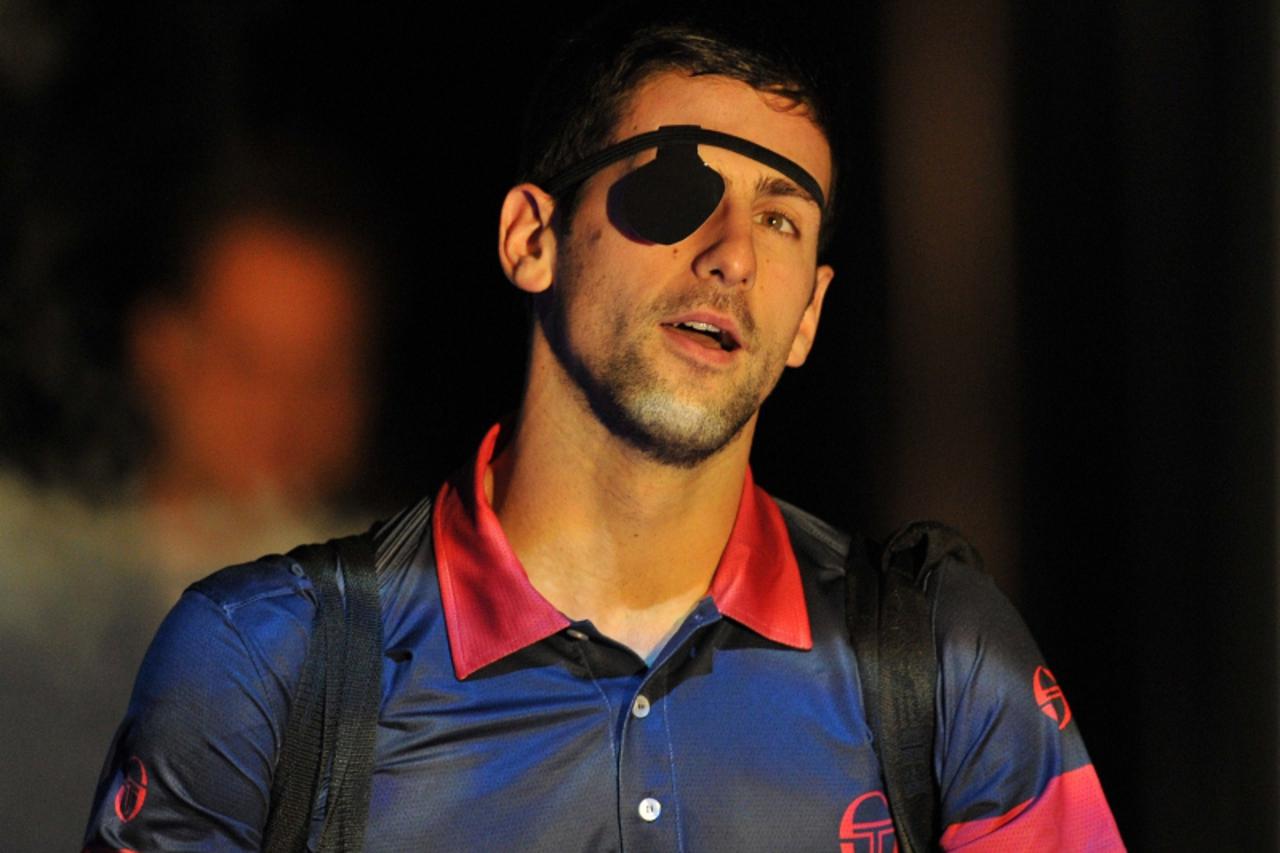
{"points": [[650, 809], [575, 634], [640, 707]]}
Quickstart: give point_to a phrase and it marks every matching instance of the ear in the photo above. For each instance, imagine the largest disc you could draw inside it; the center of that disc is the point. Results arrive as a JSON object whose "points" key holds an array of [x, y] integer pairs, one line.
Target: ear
{"points": [[526, 243], [808, 328]]}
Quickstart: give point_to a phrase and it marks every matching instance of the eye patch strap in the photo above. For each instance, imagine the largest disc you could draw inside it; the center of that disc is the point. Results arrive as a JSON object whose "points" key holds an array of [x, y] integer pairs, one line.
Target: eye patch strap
{"points": [[686, 134]]}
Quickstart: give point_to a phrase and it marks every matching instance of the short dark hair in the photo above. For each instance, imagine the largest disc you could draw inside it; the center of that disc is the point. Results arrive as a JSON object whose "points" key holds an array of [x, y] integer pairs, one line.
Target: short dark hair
{"points": [[575, 109]]}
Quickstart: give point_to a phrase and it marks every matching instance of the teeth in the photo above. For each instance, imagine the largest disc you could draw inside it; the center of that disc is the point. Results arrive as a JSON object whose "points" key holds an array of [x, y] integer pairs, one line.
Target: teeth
{"points": [[702, 327], [711, 330]]}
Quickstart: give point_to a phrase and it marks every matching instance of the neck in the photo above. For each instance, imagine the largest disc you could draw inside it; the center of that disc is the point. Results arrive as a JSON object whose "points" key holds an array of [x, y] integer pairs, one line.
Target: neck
{"points": [[606, 533]]}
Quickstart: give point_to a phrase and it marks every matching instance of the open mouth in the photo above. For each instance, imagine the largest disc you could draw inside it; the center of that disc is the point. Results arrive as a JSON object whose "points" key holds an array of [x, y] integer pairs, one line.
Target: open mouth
{"points": [[706, 334]]}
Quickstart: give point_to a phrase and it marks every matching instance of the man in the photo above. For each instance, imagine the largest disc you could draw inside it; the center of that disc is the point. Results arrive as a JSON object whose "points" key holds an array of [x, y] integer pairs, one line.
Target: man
{"points": [[253, 374], [602, 634]]}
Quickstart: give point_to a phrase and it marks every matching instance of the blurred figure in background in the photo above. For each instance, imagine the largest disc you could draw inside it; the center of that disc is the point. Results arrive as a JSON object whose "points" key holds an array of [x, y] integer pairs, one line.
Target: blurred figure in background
{"points": [[253, 377], [247, 367]]}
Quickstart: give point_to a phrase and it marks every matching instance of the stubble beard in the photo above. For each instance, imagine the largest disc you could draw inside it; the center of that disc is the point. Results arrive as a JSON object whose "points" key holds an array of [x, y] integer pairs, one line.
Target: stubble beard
{"points": [[628, 396]]}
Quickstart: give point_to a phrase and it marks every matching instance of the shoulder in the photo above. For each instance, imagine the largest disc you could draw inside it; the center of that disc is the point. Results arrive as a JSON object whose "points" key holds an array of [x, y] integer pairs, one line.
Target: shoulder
{"points": [[269, 603], [262, 582], [207, 713], [239, 635], [982, 640], [966, 602], [970, 611], [254, 594], [815, 542], [265, 606], [212, 701], [1011, 768], [963, 595]]}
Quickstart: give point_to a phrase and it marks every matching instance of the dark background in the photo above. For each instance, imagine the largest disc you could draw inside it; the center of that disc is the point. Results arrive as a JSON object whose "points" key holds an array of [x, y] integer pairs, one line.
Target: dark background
{"points": [[1133, 354]]}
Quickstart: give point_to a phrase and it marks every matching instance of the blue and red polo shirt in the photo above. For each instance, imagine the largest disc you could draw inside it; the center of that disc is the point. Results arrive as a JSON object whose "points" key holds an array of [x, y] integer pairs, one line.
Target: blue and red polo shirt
{"points": [[505, 724]]}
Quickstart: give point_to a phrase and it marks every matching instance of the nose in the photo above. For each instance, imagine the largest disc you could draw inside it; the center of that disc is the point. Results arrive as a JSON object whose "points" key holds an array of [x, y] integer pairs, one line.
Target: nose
{"points": [[728, 253]]}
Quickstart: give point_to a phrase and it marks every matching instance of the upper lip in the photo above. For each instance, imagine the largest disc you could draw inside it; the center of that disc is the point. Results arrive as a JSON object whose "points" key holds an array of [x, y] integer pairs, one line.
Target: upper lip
{"points": [[729, 330]]}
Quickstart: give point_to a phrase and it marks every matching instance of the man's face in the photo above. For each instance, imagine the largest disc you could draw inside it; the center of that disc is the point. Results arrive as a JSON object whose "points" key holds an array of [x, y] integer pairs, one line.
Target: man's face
{"points": [[256, 382], [635, 324]]}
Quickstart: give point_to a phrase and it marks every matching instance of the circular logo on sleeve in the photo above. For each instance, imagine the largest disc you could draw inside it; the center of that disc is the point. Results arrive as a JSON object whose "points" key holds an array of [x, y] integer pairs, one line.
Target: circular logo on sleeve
{"points": [[133, 790], [1049, 697]]}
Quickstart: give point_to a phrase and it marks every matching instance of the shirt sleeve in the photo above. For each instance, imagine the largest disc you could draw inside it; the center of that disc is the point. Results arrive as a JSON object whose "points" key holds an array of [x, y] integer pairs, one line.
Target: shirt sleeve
{"points": [[190, 767], [1012, 768]]}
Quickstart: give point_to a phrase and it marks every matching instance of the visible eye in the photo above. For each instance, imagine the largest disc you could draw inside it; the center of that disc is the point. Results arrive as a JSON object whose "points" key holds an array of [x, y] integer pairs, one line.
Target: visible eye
{"points": [[779, 222]]}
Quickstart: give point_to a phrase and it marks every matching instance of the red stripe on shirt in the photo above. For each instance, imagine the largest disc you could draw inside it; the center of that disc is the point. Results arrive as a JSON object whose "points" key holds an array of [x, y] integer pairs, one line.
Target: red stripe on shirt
{"points": [[1070, 814]]}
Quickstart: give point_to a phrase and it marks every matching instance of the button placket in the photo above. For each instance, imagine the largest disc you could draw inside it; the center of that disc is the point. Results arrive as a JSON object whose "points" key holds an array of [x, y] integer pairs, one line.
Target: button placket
{"points": [[645, 770]]}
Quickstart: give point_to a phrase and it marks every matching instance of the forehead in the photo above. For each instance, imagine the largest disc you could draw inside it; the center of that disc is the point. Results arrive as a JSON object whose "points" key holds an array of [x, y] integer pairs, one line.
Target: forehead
{"points": [[730, 106]]}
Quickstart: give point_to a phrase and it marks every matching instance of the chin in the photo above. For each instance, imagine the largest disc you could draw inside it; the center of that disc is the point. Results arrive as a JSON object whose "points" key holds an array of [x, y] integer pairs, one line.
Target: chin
{"points": [[674, 432]]}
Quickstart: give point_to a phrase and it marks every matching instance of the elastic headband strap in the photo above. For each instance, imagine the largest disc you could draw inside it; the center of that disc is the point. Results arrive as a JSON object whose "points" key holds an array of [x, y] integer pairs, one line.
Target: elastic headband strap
{"points": [[686, 134]]}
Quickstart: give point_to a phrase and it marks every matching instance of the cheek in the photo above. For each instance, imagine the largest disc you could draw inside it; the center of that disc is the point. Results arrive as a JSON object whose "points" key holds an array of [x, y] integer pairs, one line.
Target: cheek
{"points": [[786, 301], [602, 311]]}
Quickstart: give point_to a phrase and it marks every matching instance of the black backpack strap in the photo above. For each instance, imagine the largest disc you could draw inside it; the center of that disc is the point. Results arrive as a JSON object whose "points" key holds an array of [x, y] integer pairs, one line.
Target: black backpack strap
{"points": [[351, 774], [297, 774], [890, 616], [333, 720]]}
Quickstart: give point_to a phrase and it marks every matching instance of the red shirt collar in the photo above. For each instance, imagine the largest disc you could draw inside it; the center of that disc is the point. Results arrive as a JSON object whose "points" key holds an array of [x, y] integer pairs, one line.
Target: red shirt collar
{"points": [[491, 609]]}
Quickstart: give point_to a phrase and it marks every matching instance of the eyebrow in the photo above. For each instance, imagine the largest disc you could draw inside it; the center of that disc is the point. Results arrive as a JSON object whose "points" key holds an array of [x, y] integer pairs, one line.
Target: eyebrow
{"points": [[777, 186]]}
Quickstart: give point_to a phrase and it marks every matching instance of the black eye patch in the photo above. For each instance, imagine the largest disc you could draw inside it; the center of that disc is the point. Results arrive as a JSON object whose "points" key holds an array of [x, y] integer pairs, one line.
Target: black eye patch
{"points": [[667, 199]]}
